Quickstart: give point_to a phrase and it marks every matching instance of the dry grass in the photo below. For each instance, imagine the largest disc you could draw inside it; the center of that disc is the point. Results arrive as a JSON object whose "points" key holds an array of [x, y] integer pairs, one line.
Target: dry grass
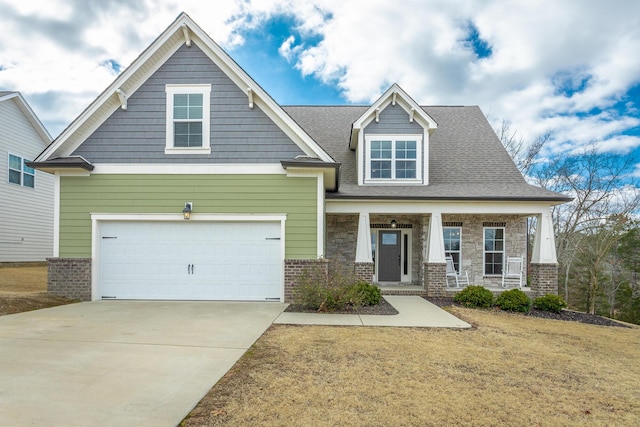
{"points": [[25, 289], [510, 370], [23, 280]]}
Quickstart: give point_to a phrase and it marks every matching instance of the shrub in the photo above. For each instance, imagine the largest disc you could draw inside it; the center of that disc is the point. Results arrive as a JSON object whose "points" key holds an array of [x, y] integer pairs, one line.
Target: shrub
{"points": [[474, 297], [514, 300], [550, 302], [368, 294], [334, 290]]}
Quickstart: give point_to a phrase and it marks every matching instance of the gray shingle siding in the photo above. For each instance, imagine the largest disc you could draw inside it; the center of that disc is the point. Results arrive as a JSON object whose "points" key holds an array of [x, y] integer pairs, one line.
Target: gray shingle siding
{"points": [[238, 134], [393, 120]]}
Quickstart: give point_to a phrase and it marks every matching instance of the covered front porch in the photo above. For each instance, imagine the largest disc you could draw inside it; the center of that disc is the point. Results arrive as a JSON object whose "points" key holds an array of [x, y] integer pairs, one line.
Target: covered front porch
{"points": [[403, 247]]}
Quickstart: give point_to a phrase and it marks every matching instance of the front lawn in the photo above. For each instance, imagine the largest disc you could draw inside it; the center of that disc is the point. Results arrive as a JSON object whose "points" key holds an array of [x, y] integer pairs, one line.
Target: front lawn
{"points": [[509, 370]]}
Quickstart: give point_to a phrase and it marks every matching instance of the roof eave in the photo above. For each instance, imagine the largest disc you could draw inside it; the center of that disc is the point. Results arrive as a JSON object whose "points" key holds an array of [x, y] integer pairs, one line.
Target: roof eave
{"points": [[331, 171]]}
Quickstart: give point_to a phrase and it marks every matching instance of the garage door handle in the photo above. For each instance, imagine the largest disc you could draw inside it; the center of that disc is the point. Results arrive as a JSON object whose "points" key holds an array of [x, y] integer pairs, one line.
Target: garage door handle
{"points": [[189, 268]]}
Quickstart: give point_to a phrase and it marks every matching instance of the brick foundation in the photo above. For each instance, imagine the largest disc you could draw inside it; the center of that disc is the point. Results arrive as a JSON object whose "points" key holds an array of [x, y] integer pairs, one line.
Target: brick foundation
{"points": [[294, 267], [544, 279], [70, 277], [364, 271], [435, 275]]}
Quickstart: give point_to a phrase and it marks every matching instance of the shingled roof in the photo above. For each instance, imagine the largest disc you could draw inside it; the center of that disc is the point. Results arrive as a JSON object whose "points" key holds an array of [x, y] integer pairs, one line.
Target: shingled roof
{"points": [[466, 159]]}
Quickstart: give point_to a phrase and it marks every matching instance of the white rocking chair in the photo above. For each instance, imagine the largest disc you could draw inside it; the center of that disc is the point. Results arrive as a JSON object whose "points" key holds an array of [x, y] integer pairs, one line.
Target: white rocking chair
{"points": [[513, 272], [460, 280]]}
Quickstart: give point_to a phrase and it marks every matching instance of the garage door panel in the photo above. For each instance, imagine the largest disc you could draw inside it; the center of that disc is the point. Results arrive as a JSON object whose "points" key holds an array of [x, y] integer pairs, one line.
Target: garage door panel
{"points": [[191, 260]]}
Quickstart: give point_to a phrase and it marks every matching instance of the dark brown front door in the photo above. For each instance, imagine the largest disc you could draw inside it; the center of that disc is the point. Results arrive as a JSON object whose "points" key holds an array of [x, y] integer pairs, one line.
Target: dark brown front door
{"points": [[389, 256]]}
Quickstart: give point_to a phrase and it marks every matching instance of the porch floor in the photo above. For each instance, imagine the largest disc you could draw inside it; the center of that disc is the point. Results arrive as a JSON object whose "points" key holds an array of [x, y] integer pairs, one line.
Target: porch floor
{"points": [[407, 289]]}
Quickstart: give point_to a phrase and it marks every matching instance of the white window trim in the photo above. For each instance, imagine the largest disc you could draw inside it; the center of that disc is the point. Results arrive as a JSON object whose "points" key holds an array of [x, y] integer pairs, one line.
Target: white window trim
{"points": [[22, 171], [406, 137], [459, 252], [205, 90], [484, 250]]}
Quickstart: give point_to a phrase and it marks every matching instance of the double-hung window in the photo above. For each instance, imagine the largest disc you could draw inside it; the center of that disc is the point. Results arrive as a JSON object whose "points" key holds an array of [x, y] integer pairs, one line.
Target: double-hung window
{"points": [[20, 173], [452, 244], [188, 119], [493, 250], [394, 158]]}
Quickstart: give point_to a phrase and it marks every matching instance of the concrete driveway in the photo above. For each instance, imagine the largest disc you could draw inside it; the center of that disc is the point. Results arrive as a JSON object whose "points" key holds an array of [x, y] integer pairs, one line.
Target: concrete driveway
{"points": [[121, 363]]}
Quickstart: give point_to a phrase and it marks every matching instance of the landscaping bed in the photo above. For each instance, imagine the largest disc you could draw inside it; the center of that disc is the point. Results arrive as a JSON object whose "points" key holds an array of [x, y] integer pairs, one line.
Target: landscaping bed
{"points": [[384, 308], [566, 315]]}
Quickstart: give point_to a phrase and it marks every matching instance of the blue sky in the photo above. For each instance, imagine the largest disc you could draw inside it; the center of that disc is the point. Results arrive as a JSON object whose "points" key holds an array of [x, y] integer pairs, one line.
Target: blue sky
{"points": [[570, 68]]}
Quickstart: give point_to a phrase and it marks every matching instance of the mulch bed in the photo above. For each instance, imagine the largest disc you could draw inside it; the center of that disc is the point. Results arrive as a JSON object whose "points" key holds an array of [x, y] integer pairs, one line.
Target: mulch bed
{"points": [[566, 315], [386, 309]]}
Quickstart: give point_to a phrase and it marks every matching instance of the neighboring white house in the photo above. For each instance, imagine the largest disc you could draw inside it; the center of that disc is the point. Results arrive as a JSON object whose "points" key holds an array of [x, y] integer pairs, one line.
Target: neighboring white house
{"points": [[26, 195]]}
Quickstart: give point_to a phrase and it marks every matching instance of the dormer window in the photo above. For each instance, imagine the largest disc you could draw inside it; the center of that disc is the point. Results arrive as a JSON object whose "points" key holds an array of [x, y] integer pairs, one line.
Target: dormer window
{"points": [[393, 158], [188, 119]]}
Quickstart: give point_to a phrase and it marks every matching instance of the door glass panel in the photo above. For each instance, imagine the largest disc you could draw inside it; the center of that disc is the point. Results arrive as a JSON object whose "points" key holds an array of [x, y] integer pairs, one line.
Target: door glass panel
{"points": [[389, 239]]}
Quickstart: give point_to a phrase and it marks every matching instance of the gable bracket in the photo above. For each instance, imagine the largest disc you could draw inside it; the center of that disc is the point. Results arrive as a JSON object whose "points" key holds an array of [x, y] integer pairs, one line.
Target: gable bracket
{"points": [[377, 115], [411, 113], [187, 36], [393, 101], [250, 96], [122, 97]]}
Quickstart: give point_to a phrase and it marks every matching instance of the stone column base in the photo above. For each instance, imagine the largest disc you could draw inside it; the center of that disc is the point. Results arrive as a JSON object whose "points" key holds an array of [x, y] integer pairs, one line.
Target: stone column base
{"points": [[435, 278], [544, 279], [70, 277], [293, 268]]}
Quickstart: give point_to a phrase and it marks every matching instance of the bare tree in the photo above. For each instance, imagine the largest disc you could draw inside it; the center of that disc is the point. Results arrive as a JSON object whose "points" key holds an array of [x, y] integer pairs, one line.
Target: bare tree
{"points": [[602, 189], [524, 154], [595, 254]]}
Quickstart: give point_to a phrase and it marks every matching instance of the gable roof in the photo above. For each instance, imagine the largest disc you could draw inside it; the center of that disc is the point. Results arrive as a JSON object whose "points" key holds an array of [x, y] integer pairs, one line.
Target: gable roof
{"points": [[29, 114], [182, 30], [466, 159], [394, 95]]}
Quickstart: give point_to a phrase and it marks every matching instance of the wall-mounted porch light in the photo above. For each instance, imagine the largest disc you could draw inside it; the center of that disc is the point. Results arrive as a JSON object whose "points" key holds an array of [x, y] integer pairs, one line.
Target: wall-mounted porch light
{"points": [[394, 224], [186, 212]]}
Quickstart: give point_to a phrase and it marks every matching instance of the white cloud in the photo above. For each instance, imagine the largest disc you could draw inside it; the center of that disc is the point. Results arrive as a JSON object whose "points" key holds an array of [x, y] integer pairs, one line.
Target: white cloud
{"points": [[287, 50], [563, 67]]}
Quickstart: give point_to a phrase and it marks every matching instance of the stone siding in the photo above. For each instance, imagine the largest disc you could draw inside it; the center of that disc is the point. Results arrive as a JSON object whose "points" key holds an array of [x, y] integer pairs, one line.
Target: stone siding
{"points": [[70, 277], [293, 268], [473, 243], [342, 237]]}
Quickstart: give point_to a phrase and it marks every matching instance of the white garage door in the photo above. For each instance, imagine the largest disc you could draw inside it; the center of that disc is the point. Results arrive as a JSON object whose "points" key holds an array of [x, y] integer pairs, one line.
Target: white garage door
{"points": [[190, 260]]}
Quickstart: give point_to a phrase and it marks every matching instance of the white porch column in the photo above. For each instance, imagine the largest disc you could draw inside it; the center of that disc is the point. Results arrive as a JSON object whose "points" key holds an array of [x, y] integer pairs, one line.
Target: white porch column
{"points": [[544, 247], [363, 243], [436, 240]]}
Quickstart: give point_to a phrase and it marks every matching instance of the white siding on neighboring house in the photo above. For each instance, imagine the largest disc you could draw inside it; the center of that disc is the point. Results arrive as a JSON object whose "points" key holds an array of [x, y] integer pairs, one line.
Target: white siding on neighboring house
{"points": [[26, 214]]}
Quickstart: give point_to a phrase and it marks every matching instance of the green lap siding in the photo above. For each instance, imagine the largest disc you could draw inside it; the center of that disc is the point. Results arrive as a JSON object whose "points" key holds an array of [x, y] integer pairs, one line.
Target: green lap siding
{"points": [[220, 194]]}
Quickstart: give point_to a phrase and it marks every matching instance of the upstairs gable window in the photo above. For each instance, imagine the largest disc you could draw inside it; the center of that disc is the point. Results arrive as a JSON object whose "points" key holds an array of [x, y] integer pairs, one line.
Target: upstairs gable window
{"points": [[394, 158], [188, 119], [20, 173]]}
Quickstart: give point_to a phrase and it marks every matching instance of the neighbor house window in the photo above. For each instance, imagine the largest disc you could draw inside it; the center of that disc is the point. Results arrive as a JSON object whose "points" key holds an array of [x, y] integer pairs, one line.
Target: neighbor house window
{"points": [[20, 173], [493, 250], [394, 158], [188, 119], [452, 244]]}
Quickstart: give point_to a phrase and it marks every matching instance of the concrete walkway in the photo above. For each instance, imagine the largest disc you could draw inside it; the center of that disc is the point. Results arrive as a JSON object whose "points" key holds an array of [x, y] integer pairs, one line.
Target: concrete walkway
{"points": [[413, 311]]}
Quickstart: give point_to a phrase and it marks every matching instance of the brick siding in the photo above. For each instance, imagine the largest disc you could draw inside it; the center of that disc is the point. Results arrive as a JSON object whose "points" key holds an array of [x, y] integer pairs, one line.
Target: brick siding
{"points": [[544, 279], [293, 268], [70, 277], [364, 271], [435, 275]]}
